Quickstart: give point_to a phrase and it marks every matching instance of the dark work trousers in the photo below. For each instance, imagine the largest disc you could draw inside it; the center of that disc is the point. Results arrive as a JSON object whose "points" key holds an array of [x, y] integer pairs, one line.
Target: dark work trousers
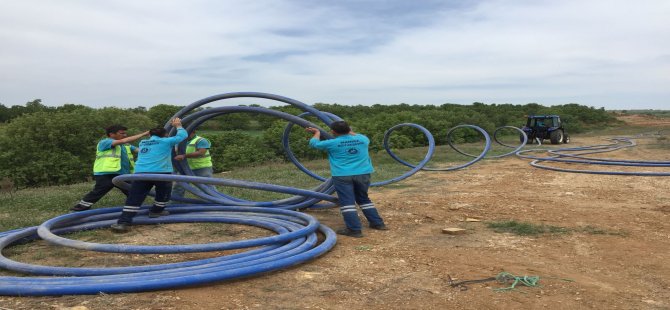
{"points": [[103, 184], [352, 190], [138, 192]]}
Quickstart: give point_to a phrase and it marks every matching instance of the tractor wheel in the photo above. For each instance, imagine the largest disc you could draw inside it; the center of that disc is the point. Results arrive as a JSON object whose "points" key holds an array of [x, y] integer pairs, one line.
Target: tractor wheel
{"points": [[556, 136], [566, 138], [521, 139]]}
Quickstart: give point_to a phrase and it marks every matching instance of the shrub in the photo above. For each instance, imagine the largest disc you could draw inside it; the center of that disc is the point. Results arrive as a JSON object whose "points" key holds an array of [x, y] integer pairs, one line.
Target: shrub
{"points": [[231, 149], [58, 147]]}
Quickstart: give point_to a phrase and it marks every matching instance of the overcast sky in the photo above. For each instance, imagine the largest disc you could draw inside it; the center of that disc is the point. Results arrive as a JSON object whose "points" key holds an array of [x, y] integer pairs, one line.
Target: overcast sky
{"points": [[602, 53]]}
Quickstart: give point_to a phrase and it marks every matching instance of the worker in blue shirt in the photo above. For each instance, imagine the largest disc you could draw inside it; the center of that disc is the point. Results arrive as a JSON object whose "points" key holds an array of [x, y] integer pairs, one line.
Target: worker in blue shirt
{"points": [[350, 168], [114, 156], [155, 156]]}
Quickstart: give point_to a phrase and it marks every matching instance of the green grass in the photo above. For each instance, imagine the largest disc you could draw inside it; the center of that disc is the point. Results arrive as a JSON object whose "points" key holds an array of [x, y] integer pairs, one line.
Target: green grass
{"points": [[530, 229], [592, 230], [29, 207], [32, 206], [524, 228], [385, 168]]}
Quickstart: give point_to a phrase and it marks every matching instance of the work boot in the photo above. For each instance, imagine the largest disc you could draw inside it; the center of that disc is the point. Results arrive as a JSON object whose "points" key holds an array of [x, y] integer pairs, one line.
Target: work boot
{"points": [[379, 227], [158, 214], [78, 208], [349, 232], [120, 228]]}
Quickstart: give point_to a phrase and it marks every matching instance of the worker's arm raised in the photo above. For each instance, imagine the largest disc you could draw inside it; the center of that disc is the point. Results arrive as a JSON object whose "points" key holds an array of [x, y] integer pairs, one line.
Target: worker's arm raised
{"points": [[129, 139]]}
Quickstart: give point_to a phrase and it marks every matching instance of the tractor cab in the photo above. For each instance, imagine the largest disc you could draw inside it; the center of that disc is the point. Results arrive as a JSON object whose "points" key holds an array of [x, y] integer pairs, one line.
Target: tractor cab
{"points": [[540, 127]]}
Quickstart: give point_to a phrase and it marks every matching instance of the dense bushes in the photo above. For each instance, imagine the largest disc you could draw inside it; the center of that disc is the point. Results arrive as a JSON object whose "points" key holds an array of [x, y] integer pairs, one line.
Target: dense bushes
{"points": [[44, 145], [59, 147], [236, 149]]}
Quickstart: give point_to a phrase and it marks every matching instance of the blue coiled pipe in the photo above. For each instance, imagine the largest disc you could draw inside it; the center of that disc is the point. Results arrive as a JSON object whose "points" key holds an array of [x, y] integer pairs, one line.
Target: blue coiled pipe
{"points": [[516, 148], [301, 247], [295, 240], [201, 187], [415, 169], [575, 155], [487, 147]]}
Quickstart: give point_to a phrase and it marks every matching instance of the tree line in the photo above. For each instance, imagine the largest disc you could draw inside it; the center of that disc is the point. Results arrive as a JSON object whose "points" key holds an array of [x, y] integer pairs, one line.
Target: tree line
{"points": [[41, 145]]}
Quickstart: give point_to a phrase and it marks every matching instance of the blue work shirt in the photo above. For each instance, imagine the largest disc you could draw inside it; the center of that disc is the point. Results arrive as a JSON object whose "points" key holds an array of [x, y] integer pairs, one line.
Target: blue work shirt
{"points": [[106, 144], [347, 154], [156, 153], [203, 144]]}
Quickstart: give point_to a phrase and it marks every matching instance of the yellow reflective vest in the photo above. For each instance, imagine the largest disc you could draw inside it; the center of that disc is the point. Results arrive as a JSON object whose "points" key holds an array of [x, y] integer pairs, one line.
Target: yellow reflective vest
{"points": [[110, 160], [203, 161]]}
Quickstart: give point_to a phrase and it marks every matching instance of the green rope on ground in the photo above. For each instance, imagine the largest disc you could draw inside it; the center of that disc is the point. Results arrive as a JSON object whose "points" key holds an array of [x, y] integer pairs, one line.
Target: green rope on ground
{"points": [[505, 277]]}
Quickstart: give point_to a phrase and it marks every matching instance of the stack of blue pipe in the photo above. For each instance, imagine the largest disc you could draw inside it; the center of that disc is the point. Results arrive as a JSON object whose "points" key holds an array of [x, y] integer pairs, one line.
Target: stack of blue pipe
{"points": [[294, 238]]}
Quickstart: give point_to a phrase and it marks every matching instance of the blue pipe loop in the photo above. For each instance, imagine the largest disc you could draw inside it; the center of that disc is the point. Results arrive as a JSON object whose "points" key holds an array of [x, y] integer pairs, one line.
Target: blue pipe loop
{"points": [[121, 181], [209, 193], [44, 231], [203, 189], [291, 156], [487, 147], [495, 138], [302, 106], [574, 155], [422, 163], [270, 257], [427, 157], [295, 240], [523, 135]]}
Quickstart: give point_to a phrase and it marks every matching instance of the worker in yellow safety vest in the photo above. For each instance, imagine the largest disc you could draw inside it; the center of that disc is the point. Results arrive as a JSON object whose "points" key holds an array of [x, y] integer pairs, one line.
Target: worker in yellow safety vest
{"points": [[199, 160], [114, 157]]}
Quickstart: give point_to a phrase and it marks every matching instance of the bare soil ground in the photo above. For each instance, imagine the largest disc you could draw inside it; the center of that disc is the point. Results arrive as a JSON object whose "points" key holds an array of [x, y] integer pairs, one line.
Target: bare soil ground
{"points": [[614, 256], [644, 120]]}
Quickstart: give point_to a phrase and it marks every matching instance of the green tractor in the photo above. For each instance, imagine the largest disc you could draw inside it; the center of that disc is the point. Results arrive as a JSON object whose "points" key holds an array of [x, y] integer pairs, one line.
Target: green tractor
{"points": [[540, 127]]}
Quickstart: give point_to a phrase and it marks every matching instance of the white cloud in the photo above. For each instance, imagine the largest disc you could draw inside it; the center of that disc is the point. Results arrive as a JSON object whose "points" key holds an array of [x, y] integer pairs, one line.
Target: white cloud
{"points": [[131, 53]]}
